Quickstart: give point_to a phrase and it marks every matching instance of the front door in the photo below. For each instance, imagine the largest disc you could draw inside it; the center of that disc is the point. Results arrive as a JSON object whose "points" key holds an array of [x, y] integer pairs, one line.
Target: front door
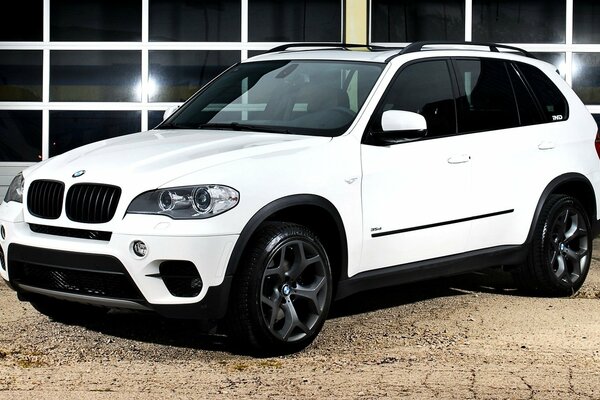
{"points": [[416, 195]]}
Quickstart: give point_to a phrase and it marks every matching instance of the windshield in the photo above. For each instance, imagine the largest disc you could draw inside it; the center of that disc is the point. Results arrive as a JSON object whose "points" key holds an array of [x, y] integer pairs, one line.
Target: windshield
{"points": [[318, 98]]}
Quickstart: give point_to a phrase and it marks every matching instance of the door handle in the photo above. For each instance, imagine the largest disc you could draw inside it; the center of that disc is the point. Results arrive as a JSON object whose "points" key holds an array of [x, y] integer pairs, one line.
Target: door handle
{"points": [[459, 159], [546, 145]]}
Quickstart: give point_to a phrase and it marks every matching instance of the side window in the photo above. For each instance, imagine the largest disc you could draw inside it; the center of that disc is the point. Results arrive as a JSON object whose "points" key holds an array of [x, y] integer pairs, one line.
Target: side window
{"points": [[486, 99], [425, 88], [554, 105], [529, 112]]}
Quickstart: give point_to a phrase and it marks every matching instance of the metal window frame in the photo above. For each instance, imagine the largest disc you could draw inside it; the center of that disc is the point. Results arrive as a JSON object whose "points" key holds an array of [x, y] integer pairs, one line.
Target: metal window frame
{"points": [[243, 46], [144, 46], [567, 48]]}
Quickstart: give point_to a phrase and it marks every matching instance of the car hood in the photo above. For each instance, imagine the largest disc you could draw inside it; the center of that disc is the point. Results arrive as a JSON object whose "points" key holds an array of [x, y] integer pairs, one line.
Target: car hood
{"points": [[156, 157]]}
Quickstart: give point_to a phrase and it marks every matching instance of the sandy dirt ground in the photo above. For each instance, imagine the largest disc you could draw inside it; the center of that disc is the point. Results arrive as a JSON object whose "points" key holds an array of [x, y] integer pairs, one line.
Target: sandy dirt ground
{"points": [[469, 337]]}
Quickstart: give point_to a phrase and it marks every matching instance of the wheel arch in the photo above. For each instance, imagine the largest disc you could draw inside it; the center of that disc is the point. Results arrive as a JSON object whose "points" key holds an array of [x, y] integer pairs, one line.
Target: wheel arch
{"points": [[312, 211], [572, 184]]}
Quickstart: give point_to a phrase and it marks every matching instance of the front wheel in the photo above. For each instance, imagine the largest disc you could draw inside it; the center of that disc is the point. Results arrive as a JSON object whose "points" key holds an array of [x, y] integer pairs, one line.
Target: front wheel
{"points": [[282, 291], [561, 250]]}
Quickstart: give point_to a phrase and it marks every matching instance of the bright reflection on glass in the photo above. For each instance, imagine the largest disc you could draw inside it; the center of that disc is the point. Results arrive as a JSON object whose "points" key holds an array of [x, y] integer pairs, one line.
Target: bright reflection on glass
{"points": [[556, 59], [562, 68], [95, 75], [586, 78], [152, 88], [175, 75]]}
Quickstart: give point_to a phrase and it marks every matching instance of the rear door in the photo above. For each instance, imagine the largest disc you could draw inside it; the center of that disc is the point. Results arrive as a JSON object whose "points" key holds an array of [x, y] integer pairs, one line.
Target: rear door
{"points": [[512, 152]]}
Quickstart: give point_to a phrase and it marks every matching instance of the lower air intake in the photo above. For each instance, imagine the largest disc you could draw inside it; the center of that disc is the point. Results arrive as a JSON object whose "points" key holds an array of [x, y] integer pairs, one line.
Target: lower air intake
{"points": [[181, 278]]}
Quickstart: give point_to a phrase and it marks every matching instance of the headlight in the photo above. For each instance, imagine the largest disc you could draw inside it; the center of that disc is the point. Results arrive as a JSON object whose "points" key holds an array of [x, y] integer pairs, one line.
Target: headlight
{"points": [[186, 202], [15, 190]]}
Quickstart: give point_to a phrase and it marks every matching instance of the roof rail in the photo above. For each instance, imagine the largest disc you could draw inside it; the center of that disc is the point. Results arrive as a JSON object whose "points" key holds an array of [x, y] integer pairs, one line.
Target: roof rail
{"points": [[324, 44], [418, 46]]}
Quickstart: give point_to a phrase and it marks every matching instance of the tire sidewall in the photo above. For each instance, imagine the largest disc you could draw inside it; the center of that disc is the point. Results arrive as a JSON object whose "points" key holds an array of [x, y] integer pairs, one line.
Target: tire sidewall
{"points": [[281, 239], [557, 207]]}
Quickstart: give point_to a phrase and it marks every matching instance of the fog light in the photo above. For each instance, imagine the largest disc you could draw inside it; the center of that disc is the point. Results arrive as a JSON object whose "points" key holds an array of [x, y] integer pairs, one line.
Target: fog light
{"points": [[2, 232], [139, 248]]}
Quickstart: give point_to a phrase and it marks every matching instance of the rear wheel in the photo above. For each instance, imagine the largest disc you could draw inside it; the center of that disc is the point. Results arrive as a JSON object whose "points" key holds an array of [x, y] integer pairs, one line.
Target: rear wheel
{"points": [[282, 291], [561, 250]]}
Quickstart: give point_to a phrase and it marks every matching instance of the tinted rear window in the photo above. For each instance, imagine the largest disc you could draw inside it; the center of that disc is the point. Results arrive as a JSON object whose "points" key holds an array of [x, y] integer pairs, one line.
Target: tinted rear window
{"points": [[486, 99], [554, 105], [529, 111]]}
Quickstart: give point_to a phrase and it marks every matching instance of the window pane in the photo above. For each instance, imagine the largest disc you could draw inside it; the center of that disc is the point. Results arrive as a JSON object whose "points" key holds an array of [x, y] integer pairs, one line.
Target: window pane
{"points": [[425, 88], [23, 21], [305, 97], [20, 135], [195, 21], [176, 75], [155, 118], [20, 75], [95, 75], [586, 80], [409, 21], [556, 59], [519, 21], [529, 112], [71, 129], [96, 20], [554, 105], [586, 21], [295, 21], [252, 53], [486, 98]]}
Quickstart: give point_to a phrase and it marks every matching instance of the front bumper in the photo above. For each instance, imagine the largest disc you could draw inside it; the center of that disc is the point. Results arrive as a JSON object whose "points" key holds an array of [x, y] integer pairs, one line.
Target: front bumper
{"points": [[107, 272]]}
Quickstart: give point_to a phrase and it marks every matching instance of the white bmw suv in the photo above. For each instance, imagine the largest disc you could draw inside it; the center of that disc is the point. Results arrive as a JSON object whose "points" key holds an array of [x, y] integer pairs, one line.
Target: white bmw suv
{"points": [[310, 173]]}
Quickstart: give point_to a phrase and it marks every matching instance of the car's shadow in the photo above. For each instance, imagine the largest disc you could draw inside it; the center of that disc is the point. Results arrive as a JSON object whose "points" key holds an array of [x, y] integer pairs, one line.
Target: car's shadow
{"points": [[192, 334], [491, 280]]}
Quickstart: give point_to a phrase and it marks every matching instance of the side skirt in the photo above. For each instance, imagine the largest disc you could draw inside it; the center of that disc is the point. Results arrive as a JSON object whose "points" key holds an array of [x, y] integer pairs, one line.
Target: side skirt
{"points": [[433, 268]]}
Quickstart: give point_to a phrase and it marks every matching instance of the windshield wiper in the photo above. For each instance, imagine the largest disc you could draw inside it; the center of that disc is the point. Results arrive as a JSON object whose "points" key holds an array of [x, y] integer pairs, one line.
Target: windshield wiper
{"points": [[236, 126]]}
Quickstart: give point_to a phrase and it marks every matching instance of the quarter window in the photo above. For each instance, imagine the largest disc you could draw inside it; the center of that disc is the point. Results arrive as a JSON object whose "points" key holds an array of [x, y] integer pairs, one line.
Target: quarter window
{"points": [[486, 99], [554, 105], [529, 112]]}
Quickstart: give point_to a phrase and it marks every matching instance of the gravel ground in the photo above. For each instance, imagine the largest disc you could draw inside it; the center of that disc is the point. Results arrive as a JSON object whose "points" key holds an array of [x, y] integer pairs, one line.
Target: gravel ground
{"points": [[469, 337]]}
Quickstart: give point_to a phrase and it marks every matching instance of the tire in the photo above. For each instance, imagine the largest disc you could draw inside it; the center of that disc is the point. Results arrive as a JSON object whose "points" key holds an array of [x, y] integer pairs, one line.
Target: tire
{"points": [[282, 291], [66, 311], [561, 250]]}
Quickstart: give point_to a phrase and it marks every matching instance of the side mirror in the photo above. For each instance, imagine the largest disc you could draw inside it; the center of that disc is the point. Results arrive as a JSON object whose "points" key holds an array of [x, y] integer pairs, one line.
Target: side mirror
{"points": [[400, 126], [169, 111], [397, 120]]}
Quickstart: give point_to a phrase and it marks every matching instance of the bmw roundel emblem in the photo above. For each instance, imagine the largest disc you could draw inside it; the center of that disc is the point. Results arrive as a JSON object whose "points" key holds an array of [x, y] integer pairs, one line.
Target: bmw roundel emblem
{"points": [[79, 173]]}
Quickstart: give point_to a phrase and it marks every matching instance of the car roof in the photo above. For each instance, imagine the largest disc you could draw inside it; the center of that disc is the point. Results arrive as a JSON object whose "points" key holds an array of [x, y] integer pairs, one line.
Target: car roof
{"points": [[379, 54], [329, 54]]}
